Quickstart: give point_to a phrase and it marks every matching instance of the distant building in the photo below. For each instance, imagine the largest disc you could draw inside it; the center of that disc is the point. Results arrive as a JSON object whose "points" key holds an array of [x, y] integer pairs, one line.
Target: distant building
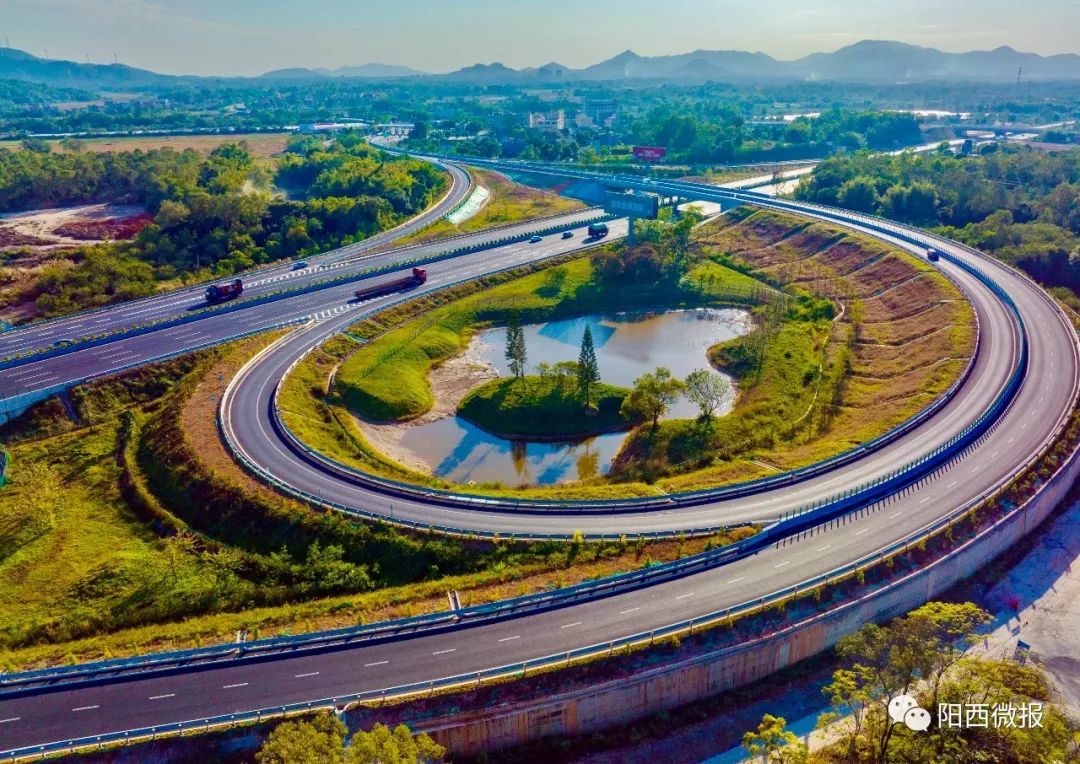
{"points": [[552, 121], [602, 113]]}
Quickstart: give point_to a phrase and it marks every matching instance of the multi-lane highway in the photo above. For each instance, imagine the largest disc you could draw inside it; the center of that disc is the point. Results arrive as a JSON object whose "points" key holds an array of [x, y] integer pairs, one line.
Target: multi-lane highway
{"points": [[1046, 396]]}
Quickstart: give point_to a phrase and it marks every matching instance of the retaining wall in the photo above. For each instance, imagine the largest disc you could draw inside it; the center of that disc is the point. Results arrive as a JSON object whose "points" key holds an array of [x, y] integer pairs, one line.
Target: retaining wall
{"points": [[622, 701]]}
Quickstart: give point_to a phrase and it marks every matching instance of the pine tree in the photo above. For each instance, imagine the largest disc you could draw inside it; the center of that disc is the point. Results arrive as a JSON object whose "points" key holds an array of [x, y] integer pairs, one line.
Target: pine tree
{"points": [[515, 346], [588, 371]]}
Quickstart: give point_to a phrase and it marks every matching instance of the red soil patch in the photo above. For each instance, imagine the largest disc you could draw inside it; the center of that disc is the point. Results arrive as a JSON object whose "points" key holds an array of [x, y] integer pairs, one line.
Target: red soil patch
{"points": [[116, 229]]}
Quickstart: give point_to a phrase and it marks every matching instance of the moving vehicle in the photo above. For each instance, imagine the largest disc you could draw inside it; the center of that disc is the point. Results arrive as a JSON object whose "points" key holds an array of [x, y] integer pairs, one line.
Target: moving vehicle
{"points": [[568, 234], [933, 255], [536, 239], [598, 230], [226, 291], [299, 266], [415, 279]]}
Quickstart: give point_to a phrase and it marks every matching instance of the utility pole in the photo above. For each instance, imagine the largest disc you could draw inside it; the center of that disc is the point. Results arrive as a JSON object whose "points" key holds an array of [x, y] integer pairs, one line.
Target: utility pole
{"points": [[1019, 74]]}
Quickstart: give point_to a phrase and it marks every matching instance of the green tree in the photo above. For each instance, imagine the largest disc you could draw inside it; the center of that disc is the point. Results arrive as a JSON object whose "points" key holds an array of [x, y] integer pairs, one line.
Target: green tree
{"points": [[773, 743], [859, 194], [652, 396], [588, 370], [382, 746], [706, 390], [515, 353], [319, 741]]}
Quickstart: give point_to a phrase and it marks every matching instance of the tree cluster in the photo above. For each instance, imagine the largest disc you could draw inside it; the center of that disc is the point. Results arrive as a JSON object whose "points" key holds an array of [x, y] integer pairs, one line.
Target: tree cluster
{"points": [[1019, 205]]}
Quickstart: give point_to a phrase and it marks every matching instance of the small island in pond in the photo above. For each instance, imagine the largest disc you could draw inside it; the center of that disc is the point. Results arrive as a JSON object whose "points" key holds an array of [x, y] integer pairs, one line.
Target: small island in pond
{"points": [[549, 407]]}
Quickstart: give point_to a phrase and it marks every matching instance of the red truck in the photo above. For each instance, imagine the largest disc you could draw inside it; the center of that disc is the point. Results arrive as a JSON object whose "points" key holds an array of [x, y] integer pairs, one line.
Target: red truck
{"points": [[222, 292], [415, 279]]}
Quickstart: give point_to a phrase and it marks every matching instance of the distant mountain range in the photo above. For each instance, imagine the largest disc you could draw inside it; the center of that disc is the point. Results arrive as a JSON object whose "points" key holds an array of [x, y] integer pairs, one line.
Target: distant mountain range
{"points": [[868, 61], [871, 61]]}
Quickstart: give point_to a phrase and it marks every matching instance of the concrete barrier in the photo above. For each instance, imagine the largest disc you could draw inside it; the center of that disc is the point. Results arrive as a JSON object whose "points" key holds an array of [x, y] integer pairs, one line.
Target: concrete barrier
{"points": [[595, 708]]}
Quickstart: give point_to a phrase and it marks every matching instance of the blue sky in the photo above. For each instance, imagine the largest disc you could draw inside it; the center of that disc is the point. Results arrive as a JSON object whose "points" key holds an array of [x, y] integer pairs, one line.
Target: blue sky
{"points": [[252, 36]]}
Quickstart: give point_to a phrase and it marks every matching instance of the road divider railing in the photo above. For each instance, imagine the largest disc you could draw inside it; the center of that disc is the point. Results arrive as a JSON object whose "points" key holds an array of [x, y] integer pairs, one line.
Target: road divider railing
{"points": [[281, 294]]}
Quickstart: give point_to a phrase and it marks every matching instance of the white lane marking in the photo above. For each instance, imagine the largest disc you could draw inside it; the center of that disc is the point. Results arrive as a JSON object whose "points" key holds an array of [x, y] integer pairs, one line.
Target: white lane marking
{"points": [[684, 596], [785, 562], [925, 500], [631, 610], [950, 485], [510, 639], [85, 708], [822, 549], [162, 697], [569, 625], [301, 676], [376, 663], [444, 652], [736, 580], [896, 515], [993, 455], [232, 686], [859, 533], [12, 719]]}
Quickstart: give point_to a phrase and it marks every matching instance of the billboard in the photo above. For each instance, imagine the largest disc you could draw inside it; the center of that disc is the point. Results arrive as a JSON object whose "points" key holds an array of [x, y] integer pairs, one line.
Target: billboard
{"points": [[649, 153], [632, 205]]}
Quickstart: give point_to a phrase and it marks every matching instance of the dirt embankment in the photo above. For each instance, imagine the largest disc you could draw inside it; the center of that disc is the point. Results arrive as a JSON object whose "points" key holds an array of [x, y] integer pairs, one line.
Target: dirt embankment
{"points": [[450, 382]]}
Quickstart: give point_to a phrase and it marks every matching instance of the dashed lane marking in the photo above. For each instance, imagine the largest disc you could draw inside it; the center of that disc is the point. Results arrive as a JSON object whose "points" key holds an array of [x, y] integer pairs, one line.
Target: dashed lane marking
{"points": [[444, 652], [510, 639], [9, 721], [162, 697], [684, 596], [232, 686], [376, 663], [85, 708], [736, 580], [568, 625], [310, 673], [631, 610]]}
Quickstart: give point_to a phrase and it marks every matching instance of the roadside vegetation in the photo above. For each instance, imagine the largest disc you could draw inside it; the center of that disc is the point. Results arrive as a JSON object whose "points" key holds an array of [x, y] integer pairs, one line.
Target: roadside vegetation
{"points": [[927, 654], [322, 741]]}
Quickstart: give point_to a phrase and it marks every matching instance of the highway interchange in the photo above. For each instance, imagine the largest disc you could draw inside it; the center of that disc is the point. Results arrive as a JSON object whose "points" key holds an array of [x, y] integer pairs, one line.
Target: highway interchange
{"points": [[1042, 403]]}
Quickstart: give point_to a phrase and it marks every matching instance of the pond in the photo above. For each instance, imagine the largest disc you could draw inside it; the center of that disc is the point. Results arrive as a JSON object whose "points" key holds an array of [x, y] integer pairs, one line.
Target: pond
{"points": [[627, 345]]}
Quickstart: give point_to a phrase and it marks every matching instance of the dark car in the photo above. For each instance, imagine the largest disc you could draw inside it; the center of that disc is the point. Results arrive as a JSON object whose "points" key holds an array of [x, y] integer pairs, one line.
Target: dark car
{"points": [[536, 239], [568, 234], [300, 266]]}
